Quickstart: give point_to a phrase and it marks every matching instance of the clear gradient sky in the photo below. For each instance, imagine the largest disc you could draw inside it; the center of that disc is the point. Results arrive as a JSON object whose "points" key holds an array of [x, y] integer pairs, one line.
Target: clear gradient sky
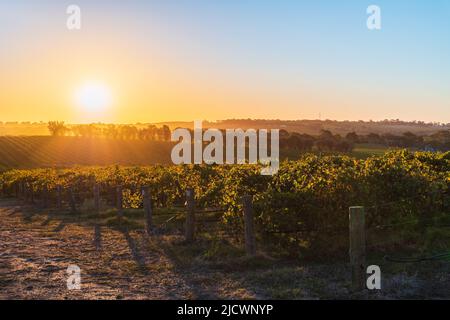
{"points": [[215, 59]]}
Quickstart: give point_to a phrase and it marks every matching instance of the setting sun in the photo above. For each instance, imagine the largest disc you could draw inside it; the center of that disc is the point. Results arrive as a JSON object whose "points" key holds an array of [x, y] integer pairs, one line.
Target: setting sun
{"points": [[93, 97]]}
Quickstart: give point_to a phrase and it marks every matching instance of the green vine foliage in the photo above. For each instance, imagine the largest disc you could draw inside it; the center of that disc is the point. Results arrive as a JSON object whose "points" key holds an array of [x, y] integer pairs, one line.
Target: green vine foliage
{"points": [[303, 205]]}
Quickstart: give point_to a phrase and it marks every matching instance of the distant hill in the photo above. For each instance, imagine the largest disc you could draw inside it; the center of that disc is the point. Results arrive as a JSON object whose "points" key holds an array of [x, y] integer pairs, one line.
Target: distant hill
{"points": [[312, 127], [46, 151]]}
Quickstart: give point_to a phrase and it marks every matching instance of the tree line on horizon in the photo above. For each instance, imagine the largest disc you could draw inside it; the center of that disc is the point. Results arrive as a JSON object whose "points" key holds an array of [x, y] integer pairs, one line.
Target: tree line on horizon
{"points": [[326, 141], [111, 131], [385, 121]]}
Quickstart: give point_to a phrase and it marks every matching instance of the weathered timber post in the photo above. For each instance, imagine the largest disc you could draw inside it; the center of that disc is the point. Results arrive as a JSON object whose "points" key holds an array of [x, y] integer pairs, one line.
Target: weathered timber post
{"points": [[119, 201], [190, 215], [16, 190], [31, 194], [4, 189], [26, 196], [147, 209], [72, 203], [97, 197], [357, 248], [21, 187], [45, 196], [250, 243], [58, 196]]}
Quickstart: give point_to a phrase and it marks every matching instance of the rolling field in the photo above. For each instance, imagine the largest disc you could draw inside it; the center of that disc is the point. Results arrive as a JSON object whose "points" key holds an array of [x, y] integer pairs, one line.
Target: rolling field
{"points": [[46, 151], [25, 152]]}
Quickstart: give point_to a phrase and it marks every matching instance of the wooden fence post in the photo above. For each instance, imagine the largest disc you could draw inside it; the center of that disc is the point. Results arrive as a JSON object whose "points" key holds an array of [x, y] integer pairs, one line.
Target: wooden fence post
{"points": [[21, 187], [97, 197], [72, 200], [16, 190], [58, 196], [23, 190], [147, 209], [119, 199], [26, 192], [45, 196], [31, 194], [190, 215], [250, 243], [357, 248]]}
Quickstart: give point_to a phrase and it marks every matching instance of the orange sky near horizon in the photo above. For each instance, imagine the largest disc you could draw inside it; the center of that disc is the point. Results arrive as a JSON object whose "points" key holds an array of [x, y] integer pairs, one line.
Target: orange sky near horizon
{"points": [[170, 66]]}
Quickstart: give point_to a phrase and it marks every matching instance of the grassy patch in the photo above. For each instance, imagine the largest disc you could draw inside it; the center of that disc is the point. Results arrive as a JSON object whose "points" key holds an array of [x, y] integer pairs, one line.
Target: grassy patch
{"points": [[288, 283], [363, 151], [121, 223]]}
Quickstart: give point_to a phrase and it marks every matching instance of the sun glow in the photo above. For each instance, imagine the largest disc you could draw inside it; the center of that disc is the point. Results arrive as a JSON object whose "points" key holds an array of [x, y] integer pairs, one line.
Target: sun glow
{"points": [[93, 97]]}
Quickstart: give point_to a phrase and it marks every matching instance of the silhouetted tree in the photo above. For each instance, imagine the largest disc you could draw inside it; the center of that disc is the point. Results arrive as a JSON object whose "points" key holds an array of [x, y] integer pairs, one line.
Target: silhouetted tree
{"points": [[57, 128]]}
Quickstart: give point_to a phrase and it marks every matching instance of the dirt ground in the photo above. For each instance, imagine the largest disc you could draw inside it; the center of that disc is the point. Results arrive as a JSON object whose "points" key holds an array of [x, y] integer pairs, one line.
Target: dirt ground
{"points": [[35, 252], [37, 248]]}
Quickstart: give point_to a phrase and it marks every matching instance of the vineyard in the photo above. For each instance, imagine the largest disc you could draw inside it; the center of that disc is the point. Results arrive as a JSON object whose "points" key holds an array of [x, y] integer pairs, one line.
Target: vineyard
{"points": [[300, 208], [200, 215]]}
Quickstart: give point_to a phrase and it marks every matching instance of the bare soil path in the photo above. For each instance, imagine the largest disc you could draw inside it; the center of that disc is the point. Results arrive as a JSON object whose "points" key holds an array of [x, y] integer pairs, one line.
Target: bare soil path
{"points": [[36, 251]]}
